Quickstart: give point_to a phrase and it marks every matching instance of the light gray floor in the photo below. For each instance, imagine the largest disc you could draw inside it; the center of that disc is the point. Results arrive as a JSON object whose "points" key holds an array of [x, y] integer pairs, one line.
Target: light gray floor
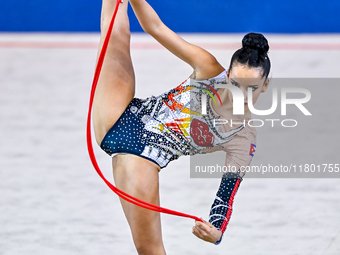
{"points": [[53, 202]]}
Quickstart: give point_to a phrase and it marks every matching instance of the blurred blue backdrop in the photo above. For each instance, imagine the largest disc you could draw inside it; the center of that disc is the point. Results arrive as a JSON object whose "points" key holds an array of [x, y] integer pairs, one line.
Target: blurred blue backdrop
{"points": [[289, 16]]}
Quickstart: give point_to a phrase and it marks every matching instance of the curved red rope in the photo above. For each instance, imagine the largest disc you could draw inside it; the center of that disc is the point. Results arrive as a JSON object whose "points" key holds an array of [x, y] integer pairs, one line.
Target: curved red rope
{"points": [[120, 193]]}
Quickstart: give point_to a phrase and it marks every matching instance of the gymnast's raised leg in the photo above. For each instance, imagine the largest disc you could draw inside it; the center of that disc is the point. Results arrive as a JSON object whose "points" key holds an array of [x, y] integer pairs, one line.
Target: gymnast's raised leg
{"points": [[116, 84], [132, 174]]}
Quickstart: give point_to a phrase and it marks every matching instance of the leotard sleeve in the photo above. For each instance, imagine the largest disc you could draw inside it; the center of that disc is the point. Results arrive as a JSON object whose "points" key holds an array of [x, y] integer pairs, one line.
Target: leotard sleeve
{"points": [[222, 206], [240, 151]]}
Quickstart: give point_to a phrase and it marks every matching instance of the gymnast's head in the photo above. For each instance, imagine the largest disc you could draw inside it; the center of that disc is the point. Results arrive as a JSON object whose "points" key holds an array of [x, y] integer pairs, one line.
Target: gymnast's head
{"points": [[250, 65]]}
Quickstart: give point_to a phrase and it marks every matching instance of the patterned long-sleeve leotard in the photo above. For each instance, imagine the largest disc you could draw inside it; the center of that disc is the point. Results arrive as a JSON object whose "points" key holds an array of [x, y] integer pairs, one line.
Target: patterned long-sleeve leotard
{"points": [[165, 127]]}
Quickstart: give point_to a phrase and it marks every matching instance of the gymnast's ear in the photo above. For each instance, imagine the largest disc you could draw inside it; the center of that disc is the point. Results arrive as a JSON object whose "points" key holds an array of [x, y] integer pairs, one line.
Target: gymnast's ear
{"points": [[265, 85]]}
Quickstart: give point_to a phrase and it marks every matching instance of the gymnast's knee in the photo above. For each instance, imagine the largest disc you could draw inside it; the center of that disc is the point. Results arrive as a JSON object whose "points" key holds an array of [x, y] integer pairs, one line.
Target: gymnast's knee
{"points": [[150, 249]]}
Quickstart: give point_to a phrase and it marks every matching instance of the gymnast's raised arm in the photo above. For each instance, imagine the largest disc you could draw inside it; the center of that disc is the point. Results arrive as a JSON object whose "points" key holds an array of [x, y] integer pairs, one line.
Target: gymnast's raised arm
{"points": [[204, 64]]}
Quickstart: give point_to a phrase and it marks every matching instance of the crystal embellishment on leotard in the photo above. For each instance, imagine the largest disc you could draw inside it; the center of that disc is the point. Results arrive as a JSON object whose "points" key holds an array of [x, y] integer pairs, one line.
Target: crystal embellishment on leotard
{"points": [[146, 119], [133, 109]]}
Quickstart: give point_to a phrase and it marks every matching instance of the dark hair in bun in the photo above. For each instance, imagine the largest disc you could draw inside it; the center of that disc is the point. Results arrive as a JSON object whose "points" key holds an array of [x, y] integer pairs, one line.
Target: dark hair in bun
{"points": [[253, 53]]}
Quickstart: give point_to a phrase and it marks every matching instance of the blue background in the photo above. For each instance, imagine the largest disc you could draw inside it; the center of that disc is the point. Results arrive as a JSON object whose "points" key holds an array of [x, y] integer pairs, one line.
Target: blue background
{"points": [[287, 16]]}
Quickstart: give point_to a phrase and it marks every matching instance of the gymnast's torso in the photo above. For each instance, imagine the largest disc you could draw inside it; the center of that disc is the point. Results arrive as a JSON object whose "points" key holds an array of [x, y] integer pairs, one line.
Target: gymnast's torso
{"points": [[165, 127]]}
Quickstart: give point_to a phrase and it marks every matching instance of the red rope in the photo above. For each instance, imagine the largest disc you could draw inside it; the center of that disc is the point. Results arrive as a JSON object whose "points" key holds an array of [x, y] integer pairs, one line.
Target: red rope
{"points": [[120, 193]]}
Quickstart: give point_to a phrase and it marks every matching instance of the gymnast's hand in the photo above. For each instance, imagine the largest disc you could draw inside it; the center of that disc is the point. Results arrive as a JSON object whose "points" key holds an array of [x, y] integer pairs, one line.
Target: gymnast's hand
{"points": [[206, 231]]}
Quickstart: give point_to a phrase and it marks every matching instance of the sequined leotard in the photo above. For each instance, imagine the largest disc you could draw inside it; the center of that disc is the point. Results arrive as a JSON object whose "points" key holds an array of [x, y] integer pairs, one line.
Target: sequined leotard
{"points": [[165, 127]]}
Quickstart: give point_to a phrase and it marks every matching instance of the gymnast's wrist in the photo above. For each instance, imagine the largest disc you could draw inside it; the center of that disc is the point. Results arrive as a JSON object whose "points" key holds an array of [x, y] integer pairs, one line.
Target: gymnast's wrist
{"points": [[220, 238]]}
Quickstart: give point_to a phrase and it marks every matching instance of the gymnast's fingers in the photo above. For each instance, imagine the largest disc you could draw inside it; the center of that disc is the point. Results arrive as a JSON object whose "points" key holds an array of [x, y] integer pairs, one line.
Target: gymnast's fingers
{"points": [[203, 226], [197, 232]]}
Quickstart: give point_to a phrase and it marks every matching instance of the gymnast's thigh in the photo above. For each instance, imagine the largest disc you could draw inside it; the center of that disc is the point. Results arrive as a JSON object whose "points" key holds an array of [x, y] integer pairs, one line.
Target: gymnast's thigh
{"points": [[116, 83], [138, 177]]}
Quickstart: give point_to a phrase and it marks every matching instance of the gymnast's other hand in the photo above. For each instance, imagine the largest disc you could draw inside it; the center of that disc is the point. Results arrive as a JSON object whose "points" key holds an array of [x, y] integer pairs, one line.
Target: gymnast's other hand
{"points": [[206, 231]]}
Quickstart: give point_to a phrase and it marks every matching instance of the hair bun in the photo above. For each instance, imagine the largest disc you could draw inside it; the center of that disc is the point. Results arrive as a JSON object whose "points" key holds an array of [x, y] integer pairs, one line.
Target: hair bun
{"points": [[255, 41]]}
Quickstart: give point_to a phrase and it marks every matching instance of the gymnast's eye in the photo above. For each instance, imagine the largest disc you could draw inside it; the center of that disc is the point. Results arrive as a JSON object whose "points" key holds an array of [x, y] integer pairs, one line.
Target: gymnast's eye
{"points": [[253, 88], [234, 83]]}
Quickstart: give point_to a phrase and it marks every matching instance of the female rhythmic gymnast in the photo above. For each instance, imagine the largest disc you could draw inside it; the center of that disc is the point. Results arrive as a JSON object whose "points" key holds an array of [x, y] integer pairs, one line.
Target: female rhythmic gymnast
{"points": [[144, 135]]}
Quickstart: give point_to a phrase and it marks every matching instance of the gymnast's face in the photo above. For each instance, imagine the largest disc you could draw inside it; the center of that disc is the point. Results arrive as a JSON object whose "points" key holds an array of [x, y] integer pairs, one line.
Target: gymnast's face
{"points": [[244, 77]]}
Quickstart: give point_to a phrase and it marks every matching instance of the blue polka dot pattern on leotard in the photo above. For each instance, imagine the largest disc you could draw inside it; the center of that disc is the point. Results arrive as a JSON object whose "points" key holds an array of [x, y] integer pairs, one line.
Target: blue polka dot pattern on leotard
{"points": [[122, 136], [130, 135]]}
